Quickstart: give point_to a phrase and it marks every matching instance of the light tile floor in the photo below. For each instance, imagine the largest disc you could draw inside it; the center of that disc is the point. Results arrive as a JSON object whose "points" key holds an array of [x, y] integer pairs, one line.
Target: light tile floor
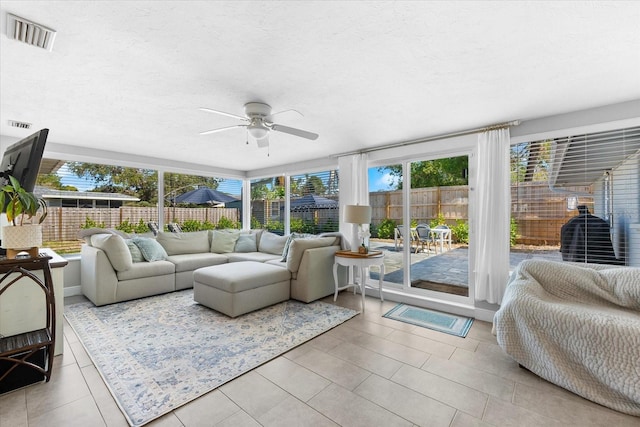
{"points": [[369, 371]]}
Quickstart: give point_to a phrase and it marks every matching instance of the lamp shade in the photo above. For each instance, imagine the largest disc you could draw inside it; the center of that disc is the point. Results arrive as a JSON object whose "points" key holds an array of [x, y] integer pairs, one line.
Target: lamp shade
{"points": [[357, 214]]}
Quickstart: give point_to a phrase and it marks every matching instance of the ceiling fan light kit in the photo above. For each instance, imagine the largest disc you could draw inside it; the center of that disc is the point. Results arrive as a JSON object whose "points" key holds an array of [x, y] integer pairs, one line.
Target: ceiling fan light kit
{"points": [[258, 123]]}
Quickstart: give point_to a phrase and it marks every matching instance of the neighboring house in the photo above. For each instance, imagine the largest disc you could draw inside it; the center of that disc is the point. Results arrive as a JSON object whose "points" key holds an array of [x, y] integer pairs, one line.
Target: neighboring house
{"points": [[82, 199]]}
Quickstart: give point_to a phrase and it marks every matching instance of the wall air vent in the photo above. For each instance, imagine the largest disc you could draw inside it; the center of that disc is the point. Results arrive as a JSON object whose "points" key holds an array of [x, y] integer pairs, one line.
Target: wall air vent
{"points": [[29, 32], [20, 125]]}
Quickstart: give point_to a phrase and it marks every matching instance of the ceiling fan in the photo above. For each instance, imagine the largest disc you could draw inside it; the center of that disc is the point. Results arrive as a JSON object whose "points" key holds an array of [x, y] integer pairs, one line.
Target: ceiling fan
{"points": [[258, 121]]}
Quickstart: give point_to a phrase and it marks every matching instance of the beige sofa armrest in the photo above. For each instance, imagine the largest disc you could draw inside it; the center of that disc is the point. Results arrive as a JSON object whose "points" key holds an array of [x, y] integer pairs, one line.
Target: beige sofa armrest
{"points": [[98, 278], [314, 279]]}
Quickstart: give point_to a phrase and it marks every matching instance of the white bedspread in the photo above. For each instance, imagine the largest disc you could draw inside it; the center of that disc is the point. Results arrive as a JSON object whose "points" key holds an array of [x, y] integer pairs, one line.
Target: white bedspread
{"points": [[577, 326]]}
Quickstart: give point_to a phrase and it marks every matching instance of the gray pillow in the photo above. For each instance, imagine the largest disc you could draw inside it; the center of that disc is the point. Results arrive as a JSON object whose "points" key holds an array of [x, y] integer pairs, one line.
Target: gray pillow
{"points": [[224, 241], [151, 250], [271, 243], [115, 248], [246, 243], [134, 250]]}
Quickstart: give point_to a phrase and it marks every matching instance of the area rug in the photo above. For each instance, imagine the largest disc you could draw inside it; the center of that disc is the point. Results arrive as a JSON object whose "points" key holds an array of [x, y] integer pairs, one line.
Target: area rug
{"points": [[158, 353], [436, 320]]}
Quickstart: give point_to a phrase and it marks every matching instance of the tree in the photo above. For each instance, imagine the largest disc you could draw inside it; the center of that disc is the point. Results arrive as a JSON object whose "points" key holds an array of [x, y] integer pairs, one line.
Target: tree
{"points": [[530, 161], [141, 183], [433, 173], [52, 180], [313, 185]]}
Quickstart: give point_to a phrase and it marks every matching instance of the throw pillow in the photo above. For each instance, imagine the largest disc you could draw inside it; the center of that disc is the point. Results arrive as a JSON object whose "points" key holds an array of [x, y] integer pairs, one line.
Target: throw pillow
{"points": [[184, 243], [136, 255], [115, 248], [151, 250], [246, 243], [271, 243], [291, 238], [224, 241]]}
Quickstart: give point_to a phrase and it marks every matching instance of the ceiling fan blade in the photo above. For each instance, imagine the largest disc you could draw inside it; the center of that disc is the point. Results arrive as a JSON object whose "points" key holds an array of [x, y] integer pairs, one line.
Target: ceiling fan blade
{"points": [[293, 131], [209, 110], [207, 132], [264, 142], [287, 111]]}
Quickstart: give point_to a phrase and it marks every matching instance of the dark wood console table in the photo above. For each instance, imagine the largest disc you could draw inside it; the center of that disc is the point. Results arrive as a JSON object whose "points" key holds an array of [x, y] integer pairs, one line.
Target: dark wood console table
{"points": [[27, 357]]}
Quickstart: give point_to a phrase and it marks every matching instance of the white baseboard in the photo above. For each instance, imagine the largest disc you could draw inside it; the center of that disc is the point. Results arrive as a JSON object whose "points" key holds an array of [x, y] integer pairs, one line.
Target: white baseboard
{"points": [[484, 314], [70, 291]]}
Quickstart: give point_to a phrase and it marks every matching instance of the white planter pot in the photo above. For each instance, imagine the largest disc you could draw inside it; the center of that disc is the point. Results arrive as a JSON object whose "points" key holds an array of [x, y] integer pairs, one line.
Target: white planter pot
{"points": [[22, 237]]}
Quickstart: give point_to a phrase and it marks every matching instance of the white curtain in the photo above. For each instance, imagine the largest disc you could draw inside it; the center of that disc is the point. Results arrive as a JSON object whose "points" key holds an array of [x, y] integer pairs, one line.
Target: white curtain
{"points": [[493, 202], [354, 190]]}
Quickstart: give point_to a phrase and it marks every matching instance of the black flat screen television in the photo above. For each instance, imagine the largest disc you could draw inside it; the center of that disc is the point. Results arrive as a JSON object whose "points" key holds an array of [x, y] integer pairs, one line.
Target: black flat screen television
{"points": [[22, 160]]}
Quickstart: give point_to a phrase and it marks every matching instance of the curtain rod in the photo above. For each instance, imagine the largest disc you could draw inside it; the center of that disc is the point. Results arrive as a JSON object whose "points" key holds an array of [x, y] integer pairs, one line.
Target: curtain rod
{"points": [[433, 138]]}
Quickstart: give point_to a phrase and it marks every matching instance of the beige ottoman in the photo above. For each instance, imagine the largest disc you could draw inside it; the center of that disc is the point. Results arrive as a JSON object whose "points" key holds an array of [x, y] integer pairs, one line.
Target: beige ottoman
{"points": [[240, 287]]}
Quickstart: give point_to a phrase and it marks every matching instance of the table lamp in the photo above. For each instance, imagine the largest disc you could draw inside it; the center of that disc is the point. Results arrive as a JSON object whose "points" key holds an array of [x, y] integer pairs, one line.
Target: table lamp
{"points": [[358, 215]]}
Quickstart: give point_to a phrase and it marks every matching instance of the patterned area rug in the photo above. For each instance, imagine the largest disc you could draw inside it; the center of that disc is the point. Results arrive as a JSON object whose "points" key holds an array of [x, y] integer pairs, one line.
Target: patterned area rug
{"points": [[436, 320], [158, 353]]}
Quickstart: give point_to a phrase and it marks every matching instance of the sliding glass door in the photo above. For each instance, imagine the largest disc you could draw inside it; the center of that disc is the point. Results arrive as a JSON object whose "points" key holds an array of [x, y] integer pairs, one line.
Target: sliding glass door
{"points": [[421, 222]]}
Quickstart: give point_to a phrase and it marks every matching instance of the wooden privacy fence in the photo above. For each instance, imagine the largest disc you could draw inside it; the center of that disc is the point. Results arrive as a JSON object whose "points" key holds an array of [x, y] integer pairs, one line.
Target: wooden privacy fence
{"points": [[64, 223], [539, 212], [425, 205]]}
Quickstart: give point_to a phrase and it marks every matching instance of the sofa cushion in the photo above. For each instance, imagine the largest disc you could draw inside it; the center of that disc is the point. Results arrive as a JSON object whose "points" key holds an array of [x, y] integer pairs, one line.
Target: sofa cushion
{"points": [[251, 256], [271, 243], [184, 243], [189, 262], [151, 250], [246, 243], [298, 246], [147, 269], [134, 250], [291, 238], [224, 241], [115, 248], [86, 233]]}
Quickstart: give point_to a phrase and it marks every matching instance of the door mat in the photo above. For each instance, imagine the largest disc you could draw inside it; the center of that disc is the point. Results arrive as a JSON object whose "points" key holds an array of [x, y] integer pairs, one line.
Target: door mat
{"points": [[436, 320], [441, 287]]}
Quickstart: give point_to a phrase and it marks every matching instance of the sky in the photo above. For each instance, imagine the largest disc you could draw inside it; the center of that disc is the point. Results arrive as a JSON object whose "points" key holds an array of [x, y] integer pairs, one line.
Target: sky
{"points": [[378, 181], [381, 180]]}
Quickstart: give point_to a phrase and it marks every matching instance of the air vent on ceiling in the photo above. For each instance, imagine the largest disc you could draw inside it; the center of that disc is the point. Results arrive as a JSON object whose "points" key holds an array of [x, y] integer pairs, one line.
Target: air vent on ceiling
{"points": [[29, 32], [21, 125]]}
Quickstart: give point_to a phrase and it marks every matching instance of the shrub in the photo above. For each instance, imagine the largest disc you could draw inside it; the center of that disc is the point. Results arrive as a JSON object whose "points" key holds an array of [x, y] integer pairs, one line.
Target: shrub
{"points": [[460, 231], [513, 232], [298, 225], [225, 222], [386, 229], [89, 223], [439, 220], [275, 226]]}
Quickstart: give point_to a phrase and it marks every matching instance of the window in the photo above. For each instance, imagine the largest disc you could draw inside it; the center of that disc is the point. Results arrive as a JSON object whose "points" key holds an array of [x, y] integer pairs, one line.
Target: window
{"points": [[202, 203], [576, 198], [85, 195], [314, 202], [267, 204]]}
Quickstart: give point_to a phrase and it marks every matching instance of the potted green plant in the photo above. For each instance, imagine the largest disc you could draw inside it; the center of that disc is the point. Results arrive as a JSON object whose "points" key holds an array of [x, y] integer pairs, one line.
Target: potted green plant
{"points": [[21, 207]]}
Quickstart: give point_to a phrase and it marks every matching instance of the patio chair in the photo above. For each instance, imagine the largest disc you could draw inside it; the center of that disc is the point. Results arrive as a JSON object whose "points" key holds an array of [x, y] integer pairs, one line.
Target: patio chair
{"points": [[174, 227], [425, 237], [399, 236], [153, 227]]}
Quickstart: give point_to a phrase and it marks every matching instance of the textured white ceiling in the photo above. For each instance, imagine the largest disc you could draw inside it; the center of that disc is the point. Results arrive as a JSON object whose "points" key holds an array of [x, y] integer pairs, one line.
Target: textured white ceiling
{"points": [[129, 76]]}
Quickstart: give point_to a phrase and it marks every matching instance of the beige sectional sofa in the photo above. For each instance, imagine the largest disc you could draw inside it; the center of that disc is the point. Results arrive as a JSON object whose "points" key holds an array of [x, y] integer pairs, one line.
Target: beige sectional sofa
{"points": [[117, 268]]}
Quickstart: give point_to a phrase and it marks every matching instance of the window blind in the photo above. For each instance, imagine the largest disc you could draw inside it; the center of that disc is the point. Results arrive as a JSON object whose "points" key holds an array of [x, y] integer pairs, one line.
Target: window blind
{"points": [[576, 198]]}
